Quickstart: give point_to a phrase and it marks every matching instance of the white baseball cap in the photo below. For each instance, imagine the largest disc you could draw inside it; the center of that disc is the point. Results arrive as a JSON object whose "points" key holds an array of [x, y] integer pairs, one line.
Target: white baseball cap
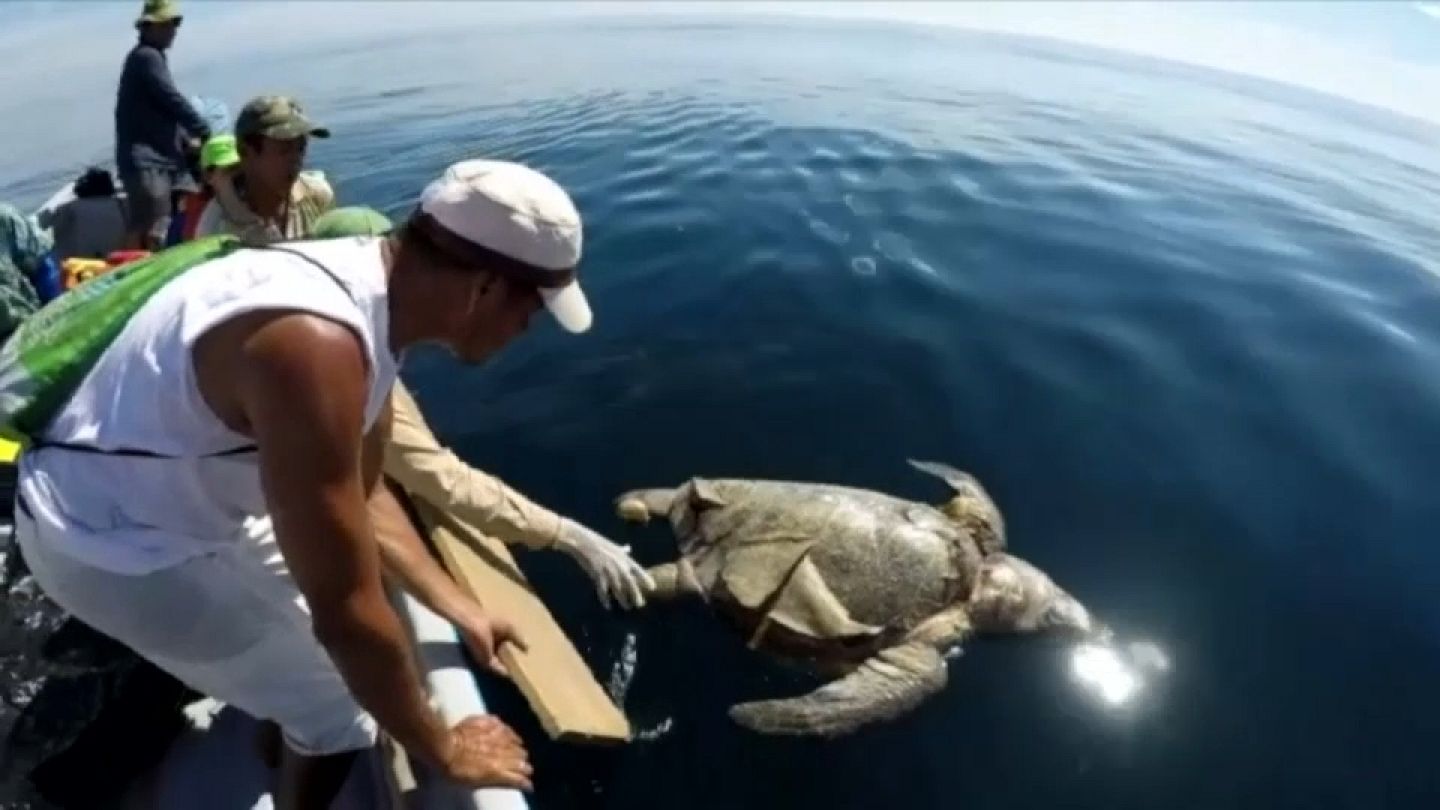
{"points": [[521, 214]]}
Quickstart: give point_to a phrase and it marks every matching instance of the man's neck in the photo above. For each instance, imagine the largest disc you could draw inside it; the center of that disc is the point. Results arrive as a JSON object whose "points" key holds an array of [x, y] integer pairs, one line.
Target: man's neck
{"points": [[267, 203], [409, 323], [400, 337]]}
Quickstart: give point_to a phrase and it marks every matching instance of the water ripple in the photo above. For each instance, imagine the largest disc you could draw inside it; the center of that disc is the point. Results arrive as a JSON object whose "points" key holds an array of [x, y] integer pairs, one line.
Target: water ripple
{"points": [[1190, 348]]}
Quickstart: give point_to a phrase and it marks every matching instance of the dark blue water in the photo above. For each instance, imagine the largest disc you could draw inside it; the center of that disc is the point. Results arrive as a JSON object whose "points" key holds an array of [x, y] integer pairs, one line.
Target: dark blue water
{"points": [[1183, 325]]}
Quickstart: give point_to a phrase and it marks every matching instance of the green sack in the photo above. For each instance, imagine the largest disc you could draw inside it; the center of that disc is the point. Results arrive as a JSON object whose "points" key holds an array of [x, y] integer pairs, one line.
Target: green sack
{"points": [[51, 353]]}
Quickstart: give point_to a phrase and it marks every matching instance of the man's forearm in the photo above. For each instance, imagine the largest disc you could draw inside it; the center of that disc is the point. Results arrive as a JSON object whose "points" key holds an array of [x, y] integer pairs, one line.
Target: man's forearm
{"points": [[406, 559], [373, 654], [417, 461]]}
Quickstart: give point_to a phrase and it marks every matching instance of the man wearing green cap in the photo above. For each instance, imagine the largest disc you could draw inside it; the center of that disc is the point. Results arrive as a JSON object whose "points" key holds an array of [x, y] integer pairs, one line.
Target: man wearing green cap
{"points": [[278, 201], [149, 115]]}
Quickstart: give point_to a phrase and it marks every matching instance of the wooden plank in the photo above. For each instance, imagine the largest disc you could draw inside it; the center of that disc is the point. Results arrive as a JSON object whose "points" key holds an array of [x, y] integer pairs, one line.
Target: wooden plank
{"points": [[554, 679]]}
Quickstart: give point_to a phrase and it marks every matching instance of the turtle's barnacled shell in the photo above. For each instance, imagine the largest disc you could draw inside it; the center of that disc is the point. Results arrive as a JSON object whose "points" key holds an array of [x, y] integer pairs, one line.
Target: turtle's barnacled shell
{"points": [[825, 563]]}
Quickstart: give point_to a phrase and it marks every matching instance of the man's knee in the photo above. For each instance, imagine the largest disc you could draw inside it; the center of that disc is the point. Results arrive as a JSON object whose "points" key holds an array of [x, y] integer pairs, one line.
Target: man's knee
{"points": [[337, 734]]}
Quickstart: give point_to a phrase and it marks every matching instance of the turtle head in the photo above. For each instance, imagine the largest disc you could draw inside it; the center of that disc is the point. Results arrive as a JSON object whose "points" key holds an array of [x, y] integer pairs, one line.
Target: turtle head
{"points": [[1013, 596]]}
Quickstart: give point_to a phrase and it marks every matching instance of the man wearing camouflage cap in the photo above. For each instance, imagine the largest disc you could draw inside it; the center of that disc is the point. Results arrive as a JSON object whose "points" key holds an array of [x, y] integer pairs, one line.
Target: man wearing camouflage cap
{"points": [[279, 200], [149, 115]]}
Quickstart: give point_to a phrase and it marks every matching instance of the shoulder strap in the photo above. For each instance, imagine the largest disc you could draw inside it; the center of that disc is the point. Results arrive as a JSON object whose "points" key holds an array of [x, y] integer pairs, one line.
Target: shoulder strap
{"points": [[234, 451], [317, 264]]}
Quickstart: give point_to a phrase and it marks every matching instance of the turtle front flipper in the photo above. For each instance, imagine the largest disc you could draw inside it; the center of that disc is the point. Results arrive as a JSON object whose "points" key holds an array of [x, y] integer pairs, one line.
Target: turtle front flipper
{"points": [[673, 581], [892, 682], [639, 505], [972, 506]]}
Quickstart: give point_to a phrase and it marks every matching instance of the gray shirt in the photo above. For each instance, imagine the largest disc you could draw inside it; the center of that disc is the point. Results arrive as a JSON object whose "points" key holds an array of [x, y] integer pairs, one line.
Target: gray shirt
{"points": [[149, 113]]}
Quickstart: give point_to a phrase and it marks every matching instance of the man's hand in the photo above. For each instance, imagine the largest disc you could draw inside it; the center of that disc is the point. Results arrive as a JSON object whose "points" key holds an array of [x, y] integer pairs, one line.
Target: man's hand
{"points": [[484, 752], [220, 177], [483, 634], [611, 567]]}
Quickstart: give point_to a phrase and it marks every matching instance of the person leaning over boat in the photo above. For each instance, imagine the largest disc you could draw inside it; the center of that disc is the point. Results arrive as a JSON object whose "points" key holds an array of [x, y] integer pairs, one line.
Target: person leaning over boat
{"points": [[149, 116], [417, 461], [22, 249], [253, 383], [277, 199]]}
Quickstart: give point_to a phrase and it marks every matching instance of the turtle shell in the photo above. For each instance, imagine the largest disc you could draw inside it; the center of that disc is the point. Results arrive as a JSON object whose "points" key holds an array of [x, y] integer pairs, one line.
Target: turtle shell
{"points": [[819, 571]]}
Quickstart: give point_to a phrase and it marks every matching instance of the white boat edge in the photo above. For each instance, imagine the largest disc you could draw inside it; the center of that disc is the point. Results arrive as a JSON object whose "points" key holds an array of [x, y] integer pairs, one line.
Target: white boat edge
{"points": [[456, 695]]}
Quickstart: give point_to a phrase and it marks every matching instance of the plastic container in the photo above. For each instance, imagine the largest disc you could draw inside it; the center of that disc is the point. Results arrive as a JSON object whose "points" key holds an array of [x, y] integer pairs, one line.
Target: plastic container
{"points": [[48, 280], [119, 257], [76, 271]]}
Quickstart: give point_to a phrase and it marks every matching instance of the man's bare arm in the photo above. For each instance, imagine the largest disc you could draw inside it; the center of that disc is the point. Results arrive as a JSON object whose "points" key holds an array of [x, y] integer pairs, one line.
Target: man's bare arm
{"points": [[302, 384], [410, 564], [406, 559]]}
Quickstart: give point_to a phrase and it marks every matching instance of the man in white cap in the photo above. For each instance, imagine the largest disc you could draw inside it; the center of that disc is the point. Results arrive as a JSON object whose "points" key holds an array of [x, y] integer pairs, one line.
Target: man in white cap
{"points": [[210, 494]]}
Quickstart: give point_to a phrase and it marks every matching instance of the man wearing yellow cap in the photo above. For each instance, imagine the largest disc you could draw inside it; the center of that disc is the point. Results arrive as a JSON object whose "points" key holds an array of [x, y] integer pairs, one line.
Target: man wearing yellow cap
{"points": [[277, 200], [149, 116]]}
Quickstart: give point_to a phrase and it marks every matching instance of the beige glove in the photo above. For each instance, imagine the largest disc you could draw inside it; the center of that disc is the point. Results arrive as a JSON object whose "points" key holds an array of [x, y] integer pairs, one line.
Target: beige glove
{"points": [[615, 572]]}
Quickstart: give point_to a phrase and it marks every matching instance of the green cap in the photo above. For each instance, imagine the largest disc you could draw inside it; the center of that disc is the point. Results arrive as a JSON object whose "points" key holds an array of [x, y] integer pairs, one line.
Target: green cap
{"points": [[219, 152], [159, 11], [278, 117], [355, 220]]}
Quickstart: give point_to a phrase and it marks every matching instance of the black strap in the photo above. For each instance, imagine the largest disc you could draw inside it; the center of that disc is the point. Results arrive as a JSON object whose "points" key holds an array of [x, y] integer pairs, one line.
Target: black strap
{"points": [[133, 453], [339, 282], [128, 452]]}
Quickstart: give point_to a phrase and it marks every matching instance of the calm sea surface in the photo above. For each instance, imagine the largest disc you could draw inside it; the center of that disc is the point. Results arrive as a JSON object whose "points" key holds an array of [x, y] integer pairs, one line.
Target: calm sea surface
{"points": [[1185, 326]]}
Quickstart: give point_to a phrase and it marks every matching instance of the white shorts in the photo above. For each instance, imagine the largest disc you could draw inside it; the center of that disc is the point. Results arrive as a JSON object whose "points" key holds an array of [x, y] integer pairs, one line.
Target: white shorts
{"points": [[230, 624]]}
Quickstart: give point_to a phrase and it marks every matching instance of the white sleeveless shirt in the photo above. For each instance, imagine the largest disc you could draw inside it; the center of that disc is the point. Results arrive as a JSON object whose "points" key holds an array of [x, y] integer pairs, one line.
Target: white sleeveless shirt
{"points": [[136, 515]]}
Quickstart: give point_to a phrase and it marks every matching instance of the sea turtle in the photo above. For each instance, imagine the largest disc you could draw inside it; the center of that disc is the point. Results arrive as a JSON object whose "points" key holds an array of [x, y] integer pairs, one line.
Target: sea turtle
{"points": [[859, 585]]}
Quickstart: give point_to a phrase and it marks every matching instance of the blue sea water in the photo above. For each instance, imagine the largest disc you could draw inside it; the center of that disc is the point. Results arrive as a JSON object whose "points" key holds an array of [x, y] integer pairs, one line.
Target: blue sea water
{"points": [[1184, 325]]}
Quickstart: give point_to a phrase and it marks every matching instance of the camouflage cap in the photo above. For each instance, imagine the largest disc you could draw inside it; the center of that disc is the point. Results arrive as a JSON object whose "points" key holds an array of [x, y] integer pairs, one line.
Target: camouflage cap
{"points": [[278, 117], [159, 11]]}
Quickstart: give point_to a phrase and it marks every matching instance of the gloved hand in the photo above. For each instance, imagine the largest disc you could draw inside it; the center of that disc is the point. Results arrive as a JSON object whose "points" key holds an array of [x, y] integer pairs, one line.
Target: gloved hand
{"points": [[611, 566]]}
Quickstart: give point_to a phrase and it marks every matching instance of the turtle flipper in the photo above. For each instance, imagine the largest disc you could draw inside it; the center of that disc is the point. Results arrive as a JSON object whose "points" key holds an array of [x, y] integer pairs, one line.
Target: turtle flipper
{"points": [[889, 684], [639, 505], [673, 581], [972, 506]]}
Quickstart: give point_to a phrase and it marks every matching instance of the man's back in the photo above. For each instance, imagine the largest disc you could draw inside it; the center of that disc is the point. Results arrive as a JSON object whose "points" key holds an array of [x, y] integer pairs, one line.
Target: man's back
{"points": [[89, 227]]}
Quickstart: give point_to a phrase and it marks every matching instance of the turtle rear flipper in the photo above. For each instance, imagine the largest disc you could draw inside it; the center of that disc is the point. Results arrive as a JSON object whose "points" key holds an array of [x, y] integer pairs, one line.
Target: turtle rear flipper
{"points": [[889, 684], [673, 581], [972, 506]]}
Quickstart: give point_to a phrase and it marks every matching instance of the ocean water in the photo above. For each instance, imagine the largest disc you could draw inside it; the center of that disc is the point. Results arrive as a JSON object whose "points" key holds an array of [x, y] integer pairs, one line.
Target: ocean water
{"points": [[1185, 326]]}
